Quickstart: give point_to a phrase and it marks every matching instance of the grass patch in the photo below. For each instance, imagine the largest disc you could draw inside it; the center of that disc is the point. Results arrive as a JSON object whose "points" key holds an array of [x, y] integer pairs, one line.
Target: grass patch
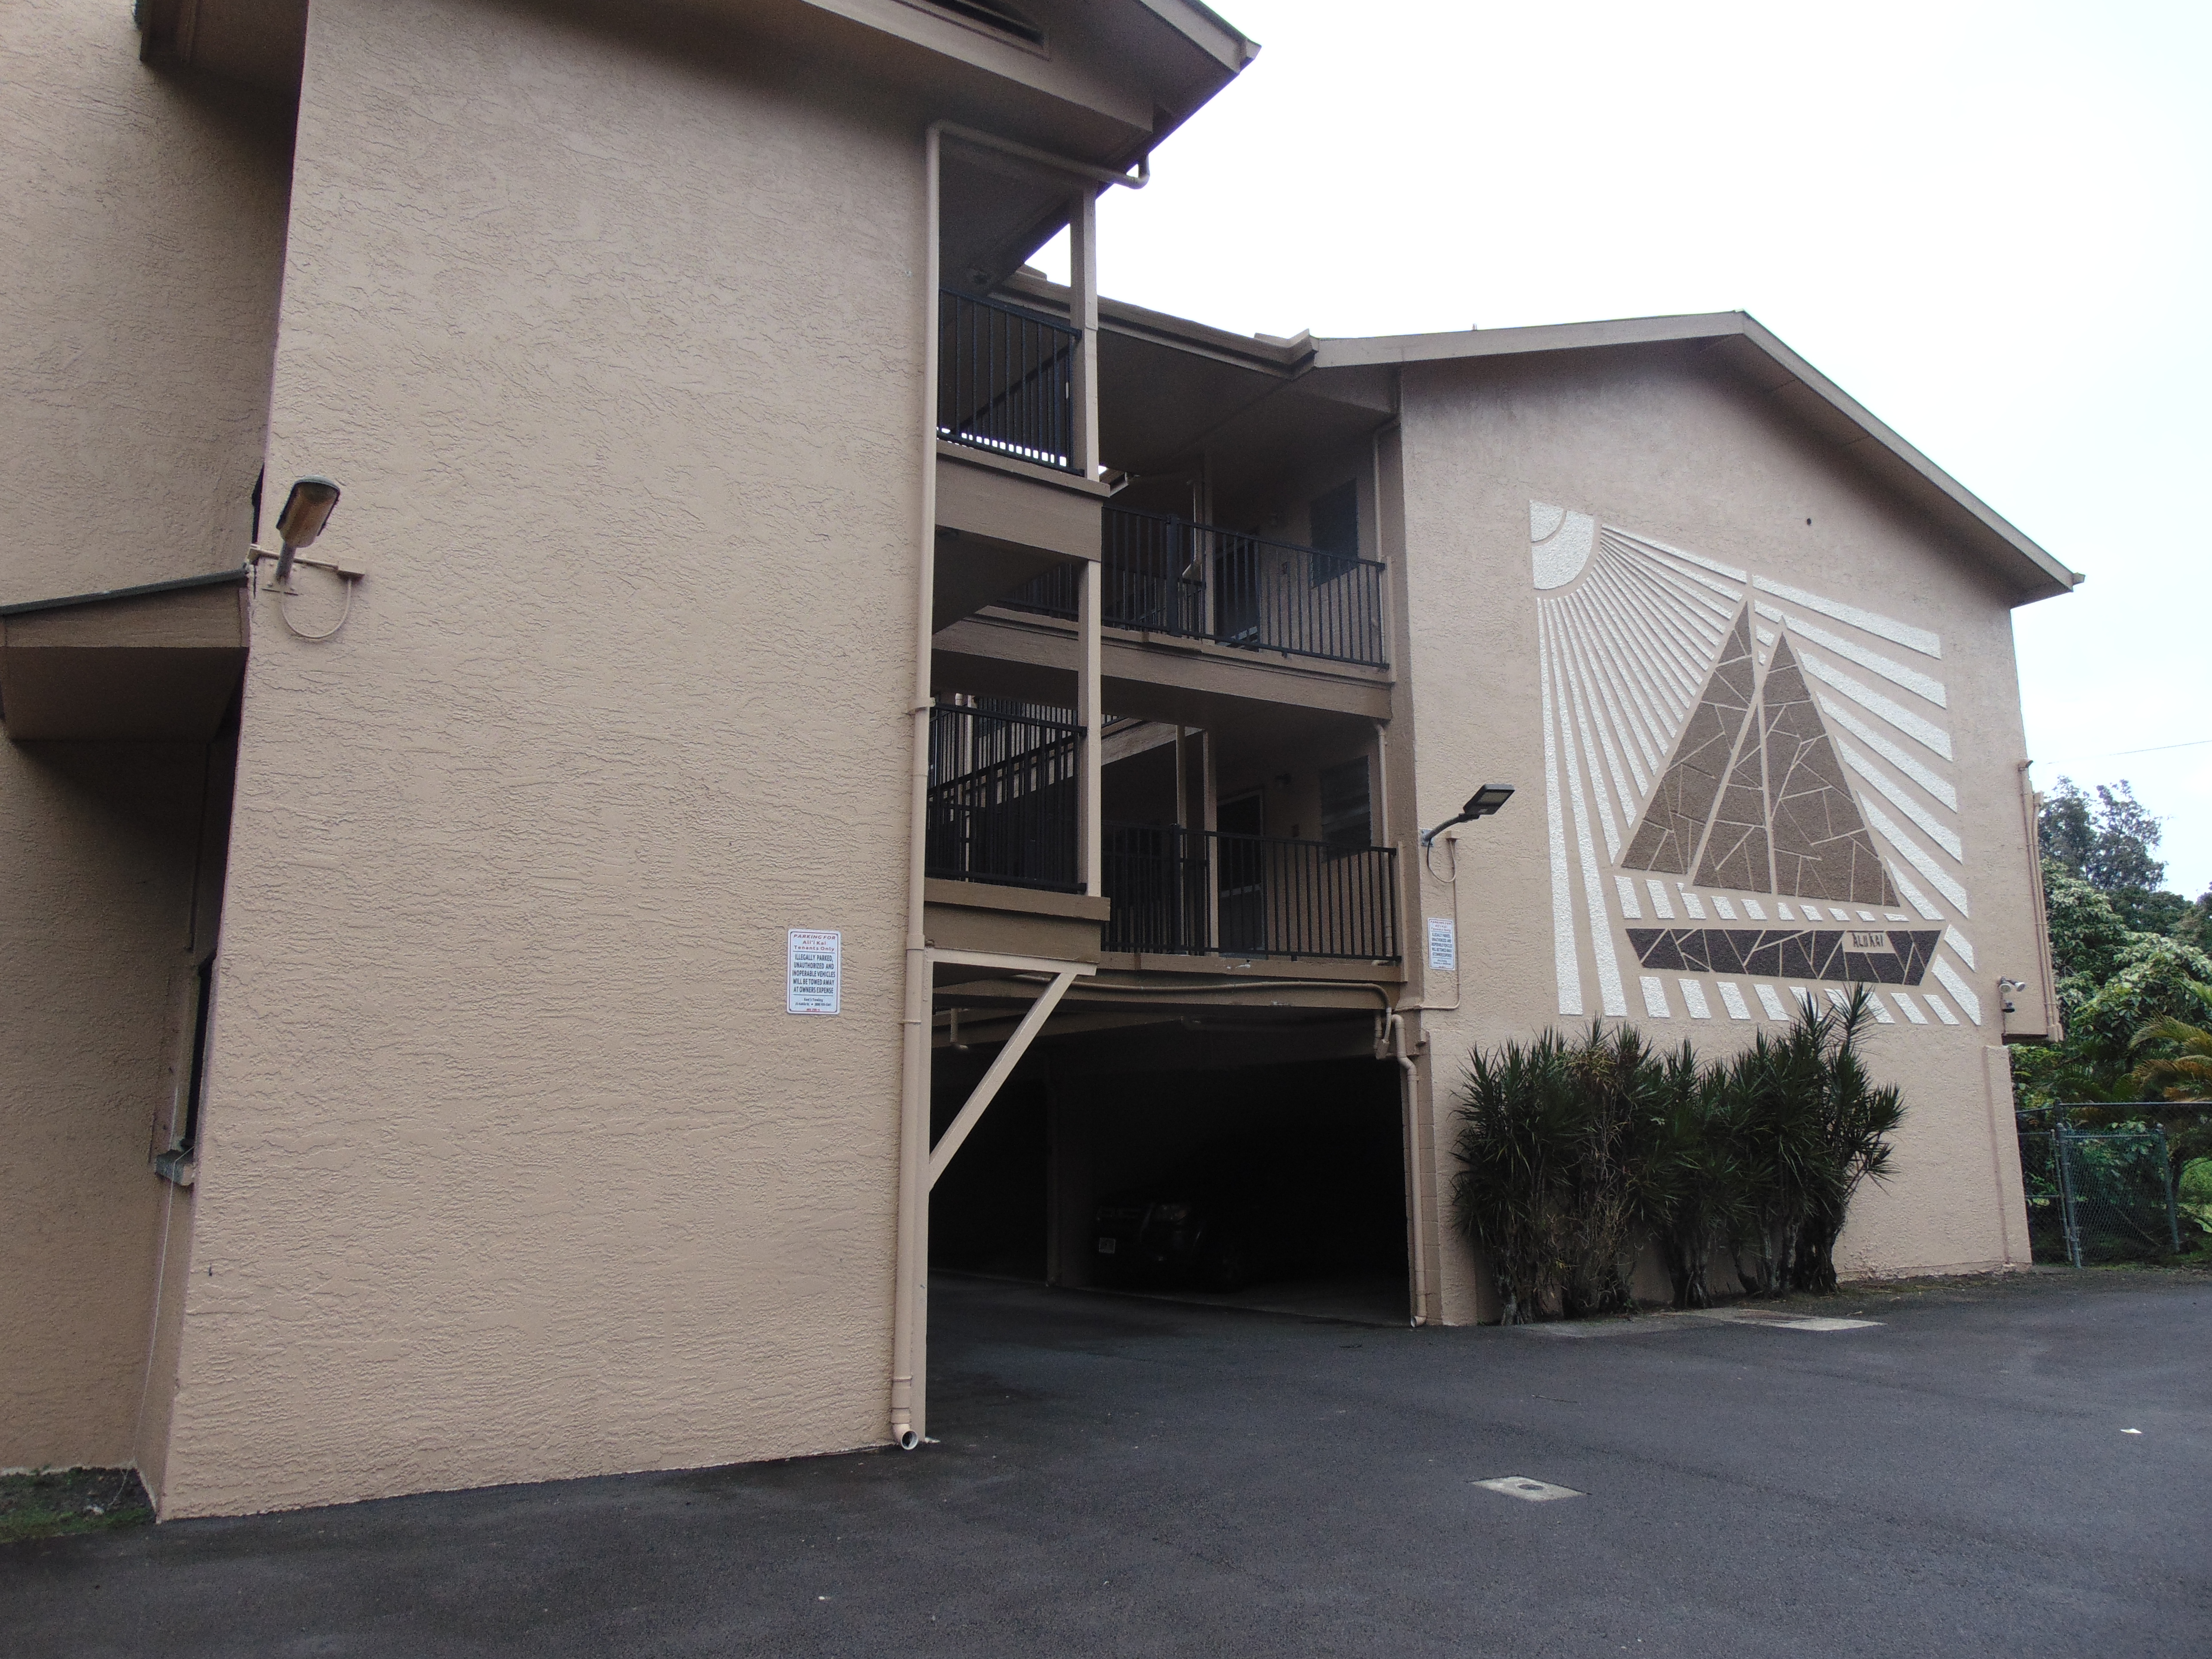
{"points": [[59, 1503]]}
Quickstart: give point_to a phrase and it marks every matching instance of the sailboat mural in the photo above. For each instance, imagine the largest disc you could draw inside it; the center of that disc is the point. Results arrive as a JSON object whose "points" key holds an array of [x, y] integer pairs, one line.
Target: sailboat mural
{"points": [[1755, 798], [1733, 752]]}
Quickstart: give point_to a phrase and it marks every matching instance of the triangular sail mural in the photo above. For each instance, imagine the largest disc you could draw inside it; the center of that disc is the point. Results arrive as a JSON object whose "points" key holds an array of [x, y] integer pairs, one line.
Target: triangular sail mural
{"points": [[1754, 798], [1749, 789], [1674, 825], [1821, 847]]}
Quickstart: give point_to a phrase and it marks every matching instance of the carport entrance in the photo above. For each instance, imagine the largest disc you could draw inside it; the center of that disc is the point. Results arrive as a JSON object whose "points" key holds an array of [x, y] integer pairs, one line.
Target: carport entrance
{"points": [[1273, 1185]]}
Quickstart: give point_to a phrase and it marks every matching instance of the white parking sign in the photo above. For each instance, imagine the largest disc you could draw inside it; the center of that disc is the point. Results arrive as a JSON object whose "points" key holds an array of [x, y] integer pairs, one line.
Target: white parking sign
{"points": [[815, 972]]}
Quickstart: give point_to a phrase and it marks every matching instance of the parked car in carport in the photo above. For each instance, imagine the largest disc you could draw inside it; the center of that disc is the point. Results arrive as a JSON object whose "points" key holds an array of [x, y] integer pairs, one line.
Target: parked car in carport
{"points": [[1222, 1241]]}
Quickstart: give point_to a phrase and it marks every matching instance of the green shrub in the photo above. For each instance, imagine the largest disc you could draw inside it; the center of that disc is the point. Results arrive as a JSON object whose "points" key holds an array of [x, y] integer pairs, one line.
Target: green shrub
{"points": [[1696, 1185], [1569, 1150], [1520, 1123], [2194, 1191]]}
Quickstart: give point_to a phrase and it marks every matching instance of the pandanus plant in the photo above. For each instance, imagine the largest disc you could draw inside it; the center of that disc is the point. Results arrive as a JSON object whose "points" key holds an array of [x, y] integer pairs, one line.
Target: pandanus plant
{"points": [[1569, 1151], [1515, 1189], [1852, 1119], [1695, 1182]]}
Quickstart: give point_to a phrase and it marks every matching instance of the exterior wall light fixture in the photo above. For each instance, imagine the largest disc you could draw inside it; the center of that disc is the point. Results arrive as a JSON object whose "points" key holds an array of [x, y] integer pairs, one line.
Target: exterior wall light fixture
{"points": [[307, 510], [1479, 804]]}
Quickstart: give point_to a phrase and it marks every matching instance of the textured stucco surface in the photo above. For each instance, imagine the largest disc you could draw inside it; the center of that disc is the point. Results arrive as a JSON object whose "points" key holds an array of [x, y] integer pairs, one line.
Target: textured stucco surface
{"points": [[514, 1166], [142, 236], [142, 228], [1651, 441], [96, 975]]}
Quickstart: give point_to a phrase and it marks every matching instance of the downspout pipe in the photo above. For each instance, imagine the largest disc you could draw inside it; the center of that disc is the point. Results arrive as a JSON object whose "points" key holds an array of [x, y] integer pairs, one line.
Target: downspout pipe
{"points": [[1416, 1208], [914, 1027], [908, 1309]]}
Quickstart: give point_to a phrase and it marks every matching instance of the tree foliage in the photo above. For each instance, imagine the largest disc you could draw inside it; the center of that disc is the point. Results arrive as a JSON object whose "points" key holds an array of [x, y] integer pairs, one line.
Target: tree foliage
{"points": [[2124, 951], [2112, 844], [2113, 981]]}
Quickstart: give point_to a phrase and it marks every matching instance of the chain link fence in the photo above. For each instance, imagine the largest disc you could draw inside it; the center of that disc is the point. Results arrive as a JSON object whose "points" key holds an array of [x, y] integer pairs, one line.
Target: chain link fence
{"points": [[2105, 1182]]}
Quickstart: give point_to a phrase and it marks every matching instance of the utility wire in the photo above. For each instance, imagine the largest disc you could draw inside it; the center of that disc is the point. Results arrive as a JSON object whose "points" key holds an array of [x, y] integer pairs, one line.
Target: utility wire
{"points": [[2116, 754]]}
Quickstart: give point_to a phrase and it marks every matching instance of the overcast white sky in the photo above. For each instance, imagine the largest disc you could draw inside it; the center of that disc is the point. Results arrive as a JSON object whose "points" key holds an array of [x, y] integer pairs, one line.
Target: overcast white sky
{"points": [[1989, 223]]}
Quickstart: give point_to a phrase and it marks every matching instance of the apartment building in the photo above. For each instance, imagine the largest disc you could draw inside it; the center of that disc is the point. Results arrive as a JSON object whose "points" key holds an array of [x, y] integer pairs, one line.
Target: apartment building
{"points": [[805, 753]]}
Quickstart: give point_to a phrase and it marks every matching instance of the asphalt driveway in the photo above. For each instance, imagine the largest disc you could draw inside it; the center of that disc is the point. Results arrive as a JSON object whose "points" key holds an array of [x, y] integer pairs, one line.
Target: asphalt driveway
{"points": [[1124, 1477]]}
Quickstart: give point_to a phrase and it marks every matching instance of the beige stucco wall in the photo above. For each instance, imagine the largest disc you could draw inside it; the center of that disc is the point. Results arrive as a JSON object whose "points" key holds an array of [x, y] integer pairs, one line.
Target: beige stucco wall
{"points": [[1650, 441], [513, 1166], [95, 917], [142, 228], [140, 235]]}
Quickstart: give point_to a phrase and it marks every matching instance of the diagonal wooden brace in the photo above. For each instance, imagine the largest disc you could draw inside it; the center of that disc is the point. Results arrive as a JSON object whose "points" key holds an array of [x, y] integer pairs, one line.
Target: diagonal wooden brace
{"points": [[1001, 1068]]}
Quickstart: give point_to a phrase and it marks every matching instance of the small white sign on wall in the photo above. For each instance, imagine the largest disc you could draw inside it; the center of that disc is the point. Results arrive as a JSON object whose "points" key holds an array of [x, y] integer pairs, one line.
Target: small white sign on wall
{"points": [[815, 972], [1444, 945]]}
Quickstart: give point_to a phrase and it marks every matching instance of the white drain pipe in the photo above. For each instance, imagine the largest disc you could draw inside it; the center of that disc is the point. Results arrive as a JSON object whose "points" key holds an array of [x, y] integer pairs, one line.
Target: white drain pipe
{"points": [[909, 1290], [1417, 1196]]}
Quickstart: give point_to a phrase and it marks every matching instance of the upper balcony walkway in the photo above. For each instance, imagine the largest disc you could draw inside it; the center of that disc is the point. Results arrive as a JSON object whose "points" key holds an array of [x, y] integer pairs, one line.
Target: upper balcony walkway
{"points": [[1199, 581], [1002, 812], [1005, 381]]}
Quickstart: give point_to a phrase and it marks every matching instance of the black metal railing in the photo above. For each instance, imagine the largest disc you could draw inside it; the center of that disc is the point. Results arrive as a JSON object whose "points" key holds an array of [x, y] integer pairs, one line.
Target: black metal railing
{"points": [[1005, 380], [1171, 575], [1002, 796], [1199, 892]]}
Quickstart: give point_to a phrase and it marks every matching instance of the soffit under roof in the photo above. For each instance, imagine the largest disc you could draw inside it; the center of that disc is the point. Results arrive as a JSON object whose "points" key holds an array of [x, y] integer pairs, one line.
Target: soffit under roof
{"points": [[257, 43], [1169, 389], [158, 663], [1110, 79]]}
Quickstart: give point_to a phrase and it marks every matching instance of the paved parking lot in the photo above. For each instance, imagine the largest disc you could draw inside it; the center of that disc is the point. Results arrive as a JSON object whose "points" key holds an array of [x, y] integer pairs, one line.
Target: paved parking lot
{"points": [[1133, 1477]]}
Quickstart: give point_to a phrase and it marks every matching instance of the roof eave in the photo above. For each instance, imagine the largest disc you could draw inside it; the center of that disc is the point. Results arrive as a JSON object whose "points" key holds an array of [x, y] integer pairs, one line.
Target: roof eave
{"points": [[1207, 29], [2033, 571]]}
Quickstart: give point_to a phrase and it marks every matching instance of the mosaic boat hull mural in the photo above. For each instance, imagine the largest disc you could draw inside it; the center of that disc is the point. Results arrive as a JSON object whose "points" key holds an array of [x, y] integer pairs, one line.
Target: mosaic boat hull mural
{"points": [[1721, 747]]}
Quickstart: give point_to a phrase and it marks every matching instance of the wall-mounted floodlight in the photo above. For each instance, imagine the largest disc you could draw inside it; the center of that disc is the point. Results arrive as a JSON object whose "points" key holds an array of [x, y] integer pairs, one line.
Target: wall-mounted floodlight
{"points": [[307, 510], [2005, 989], [1479, 804]]}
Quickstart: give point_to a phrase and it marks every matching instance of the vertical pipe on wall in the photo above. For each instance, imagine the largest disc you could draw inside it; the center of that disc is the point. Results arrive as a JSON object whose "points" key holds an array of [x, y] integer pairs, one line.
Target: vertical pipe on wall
{"points": [[2046, 982], [909, 1291], [1417, 1219]]}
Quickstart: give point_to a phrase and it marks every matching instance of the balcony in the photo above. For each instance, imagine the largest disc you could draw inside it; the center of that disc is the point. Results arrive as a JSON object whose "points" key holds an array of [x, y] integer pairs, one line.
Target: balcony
{"points": [[1168, 576], [1201, 892], [1005, 381], [1002, 796]]}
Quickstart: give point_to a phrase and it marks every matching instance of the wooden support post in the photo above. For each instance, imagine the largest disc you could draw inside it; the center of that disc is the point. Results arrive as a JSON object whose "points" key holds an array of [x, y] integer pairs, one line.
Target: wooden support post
{"points": [[1082, 314], [1090, 774]]}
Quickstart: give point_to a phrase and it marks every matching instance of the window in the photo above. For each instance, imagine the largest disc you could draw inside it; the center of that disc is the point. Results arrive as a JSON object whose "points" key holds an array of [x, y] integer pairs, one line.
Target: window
{"points": [[1334, 529], [1345, 824]]}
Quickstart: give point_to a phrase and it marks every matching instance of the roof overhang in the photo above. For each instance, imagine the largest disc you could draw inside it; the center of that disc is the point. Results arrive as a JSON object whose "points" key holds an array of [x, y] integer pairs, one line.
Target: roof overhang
{"points": [[1107, 83], [134, 664], [1737, 343]]}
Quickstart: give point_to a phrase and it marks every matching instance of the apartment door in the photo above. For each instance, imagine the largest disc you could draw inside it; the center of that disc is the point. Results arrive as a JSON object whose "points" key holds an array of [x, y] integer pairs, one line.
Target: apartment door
{"points": [[1241, 856]]}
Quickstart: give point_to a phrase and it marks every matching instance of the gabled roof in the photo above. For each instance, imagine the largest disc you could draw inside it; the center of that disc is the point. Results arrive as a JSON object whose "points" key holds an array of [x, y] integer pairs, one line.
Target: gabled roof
{"points": [[1736, 339]]}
